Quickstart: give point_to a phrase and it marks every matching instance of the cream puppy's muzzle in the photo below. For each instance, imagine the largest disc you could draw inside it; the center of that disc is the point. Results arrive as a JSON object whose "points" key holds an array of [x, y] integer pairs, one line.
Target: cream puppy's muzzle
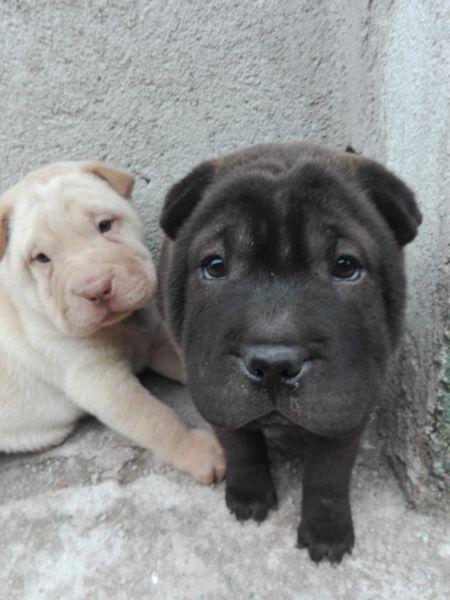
{"points": [[73, 241], [97, 289]]}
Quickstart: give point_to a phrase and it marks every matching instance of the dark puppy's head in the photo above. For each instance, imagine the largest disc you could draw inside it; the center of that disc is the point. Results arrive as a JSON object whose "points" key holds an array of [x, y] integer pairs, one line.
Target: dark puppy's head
{"points": [[286, 284]]}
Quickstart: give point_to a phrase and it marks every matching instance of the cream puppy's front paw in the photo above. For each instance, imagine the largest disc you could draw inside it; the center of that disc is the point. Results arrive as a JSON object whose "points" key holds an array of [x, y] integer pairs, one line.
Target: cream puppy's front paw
{"points": [[201, 455]]}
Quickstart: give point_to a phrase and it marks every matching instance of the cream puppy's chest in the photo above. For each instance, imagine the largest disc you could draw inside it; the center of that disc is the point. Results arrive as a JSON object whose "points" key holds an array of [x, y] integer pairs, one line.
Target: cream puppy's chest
{"points": [[35, 411], [34, 416]]}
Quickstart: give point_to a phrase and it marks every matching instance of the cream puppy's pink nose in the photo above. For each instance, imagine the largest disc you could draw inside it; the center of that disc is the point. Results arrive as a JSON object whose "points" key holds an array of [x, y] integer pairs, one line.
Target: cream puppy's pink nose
{"points": [[96, 292]]}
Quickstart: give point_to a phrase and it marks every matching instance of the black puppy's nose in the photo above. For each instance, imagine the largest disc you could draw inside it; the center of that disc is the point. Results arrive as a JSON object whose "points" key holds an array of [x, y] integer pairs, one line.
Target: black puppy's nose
{"points": [[273, 363]]}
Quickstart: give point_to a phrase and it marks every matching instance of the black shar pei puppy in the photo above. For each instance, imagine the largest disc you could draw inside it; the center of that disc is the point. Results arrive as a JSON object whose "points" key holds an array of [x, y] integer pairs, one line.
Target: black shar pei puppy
{"points": [[283, 284]]}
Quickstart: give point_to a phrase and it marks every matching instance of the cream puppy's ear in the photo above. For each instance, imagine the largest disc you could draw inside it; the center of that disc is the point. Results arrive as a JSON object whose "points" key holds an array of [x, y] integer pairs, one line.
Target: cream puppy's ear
{"points": [[6, 206], [121, 181]]}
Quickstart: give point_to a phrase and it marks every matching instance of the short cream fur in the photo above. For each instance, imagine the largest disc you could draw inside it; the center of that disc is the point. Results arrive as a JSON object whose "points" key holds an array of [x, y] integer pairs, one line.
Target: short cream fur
{"points": [[77, 319]]}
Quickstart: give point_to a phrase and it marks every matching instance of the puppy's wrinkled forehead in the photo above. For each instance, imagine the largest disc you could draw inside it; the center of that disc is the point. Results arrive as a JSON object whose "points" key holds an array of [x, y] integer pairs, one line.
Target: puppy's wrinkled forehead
{"points": [[281, 220], [64, 205]]}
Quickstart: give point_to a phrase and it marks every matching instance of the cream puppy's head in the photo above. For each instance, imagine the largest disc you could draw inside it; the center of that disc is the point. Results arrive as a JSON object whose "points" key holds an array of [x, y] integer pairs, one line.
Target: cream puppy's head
{"points": [[72, 246]]}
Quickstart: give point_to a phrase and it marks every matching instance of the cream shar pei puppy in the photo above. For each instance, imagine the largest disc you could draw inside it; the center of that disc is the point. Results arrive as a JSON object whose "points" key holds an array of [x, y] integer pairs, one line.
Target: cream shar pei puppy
{"points": [[76, 321]]}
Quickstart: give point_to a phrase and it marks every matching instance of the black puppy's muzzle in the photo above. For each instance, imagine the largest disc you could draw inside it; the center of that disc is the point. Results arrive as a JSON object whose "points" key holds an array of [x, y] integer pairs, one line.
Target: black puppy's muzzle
{"points": [[274, 365]]}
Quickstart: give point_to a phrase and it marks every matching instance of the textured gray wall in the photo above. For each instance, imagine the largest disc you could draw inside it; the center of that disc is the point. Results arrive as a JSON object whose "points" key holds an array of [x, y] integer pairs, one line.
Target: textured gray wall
{"points": [[158, 85]]}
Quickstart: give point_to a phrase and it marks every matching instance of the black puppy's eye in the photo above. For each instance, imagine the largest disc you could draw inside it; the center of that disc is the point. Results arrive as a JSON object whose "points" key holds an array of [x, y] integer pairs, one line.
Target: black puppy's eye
{"points": [[105, 225], [347, 267], [213, 267], [42, 258]]}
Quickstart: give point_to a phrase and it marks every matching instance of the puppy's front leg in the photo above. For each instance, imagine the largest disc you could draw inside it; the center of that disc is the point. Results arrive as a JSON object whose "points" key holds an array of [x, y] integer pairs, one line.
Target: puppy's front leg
{"points": [[326, 526], [165, 357], [249, 491], [115, 397]]}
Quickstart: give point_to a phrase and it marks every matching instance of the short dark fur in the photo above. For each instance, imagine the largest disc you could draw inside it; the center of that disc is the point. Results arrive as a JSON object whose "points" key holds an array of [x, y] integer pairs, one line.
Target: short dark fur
{"points": [[280, 215]]}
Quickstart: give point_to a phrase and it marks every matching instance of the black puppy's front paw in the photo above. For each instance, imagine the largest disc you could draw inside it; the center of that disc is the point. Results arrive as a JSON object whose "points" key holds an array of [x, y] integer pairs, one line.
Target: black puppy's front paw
{"points": [[326, 538], [251, 496]]}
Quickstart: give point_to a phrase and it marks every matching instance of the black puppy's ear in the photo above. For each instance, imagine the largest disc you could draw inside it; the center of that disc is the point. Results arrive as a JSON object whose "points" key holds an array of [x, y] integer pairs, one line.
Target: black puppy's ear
{"points": [[183, 197], [392, 198]]}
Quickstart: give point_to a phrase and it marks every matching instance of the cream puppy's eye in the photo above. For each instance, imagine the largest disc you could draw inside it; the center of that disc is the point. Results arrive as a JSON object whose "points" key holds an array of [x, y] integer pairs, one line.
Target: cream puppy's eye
{"points": [[42, 258], [105, 225]]}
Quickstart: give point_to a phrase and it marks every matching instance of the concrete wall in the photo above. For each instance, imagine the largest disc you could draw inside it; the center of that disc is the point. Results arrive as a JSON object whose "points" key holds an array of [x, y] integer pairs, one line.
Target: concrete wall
{"points": [[158, 85]]}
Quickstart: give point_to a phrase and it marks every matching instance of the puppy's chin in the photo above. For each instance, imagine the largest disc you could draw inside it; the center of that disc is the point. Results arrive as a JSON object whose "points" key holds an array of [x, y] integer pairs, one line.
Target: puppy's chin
{"points": [[113, 318]]}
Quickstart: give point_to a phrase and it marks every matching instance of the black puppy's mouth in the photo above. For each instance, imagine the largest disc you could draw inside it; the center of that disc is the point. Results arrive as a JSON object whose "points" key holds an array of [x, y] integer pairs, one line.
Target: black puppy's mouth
{"points": [[272, 419]]}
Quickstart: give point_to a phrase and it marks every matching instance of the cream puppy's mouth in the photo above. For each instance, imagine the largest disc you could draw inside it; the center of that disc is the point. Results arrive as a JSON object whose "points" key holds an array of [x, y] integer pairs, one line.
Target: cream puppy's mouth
{"points": [[115, 317], [108, 318]]}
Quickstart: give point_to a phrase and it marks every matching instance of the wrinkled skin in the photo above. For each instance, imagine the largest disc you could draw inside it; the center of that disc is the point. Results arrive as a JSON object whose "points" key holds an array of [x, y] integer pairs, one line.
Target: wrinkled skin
{"points": [[280, 218]]}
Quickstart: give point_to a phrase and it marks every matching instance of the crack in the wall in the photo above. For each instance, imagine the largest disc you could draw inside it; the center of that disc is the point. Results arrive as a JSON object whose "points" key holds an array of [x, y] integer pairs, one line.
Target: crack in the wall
{"points": [[440, 435]]}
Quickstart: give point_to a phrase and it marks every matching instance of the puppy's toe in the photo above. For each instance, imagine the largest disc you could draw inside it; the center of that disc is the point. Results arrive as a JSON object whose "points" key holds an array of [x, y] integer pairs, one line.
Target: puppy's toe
{"points": [[247, 503], [330, 542], [204, 458]]}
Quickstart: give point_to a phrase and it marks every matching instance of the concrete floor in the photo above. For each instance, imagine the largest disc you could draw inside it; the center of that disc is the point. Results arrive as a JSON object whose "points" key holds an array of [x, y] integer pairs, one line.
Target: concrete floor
{"points": [[100, 518]]}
